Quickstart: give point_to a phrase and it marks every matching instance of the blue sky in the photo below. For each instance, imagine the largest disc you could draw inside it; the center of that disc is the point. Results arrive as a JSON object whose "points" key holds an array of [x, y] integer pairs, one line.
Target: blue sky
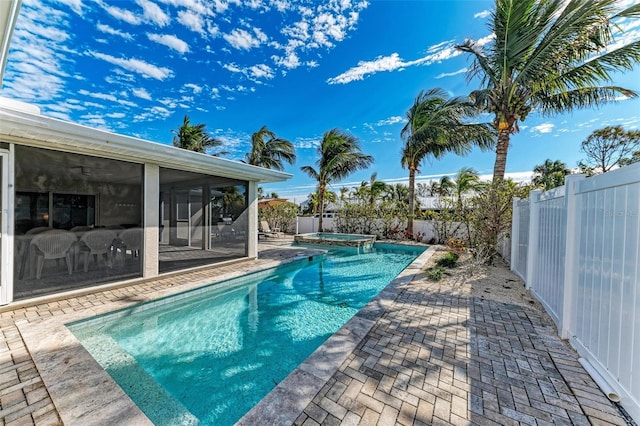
{"points": [[299, 67]]}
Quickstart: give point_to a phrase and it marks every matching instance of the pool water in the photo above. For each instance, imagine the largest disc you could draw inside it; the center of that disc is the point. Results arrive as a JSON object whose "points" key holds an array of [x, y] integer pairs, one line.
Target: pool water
{"points": [[209, 355]]}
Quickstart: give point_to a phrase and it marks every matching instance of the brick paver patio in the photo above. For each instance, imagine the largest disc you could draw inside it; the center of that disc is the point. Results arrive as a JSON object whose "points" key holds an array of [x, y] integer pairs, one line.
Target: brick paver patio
{"points": [[437, 357], [434, 357]]}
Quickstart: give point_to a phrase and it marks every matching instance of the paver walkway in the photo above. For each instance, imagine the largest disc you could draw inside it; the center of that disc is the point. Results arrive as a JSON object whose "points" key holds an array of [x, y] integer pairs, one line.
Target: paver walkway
{"points": [[437, 357], [434, 357]]}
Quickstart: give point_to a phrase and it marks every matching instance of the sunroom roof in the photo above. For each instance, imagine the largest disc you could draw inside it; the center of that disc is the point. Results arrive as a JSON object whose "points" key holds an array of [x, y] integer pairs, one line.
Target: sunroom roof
{"points": [[23, 124]]}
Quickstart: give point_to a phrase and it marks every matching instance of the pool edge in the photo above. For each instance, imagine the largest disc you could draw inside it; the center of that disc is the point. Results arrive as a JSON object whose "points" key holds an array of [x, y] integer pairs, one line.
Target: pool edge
{"points": [[82, 392], [285, 403]]}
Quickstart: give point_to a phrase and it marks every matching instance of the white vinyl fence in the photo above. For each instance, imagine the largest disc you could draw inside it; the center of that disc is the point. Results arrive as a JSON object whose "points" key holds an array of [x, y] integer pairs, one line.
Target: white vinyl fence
{"points": [[426, 228], [578, 249]]}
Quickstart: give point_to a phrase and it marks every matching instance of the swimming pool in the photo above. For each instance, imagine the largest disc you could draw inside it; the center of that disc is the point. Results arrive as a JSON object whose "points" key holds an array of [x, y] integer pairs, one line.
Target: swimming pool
{"points": [[207, 356]]}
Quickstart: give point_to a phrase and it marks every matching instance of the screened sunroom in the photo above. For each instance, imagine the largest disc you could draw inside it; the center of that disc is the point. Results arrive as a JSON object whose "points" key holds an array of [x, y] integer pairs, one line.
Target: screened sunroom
{"points": [[84, 207]]}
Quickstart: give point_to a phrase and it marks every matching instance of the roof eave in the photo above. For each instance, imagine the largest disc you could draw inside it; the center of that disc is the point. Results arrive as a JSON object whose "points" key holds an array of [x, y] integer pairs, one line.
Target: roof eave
{"points": [[28, 128]]}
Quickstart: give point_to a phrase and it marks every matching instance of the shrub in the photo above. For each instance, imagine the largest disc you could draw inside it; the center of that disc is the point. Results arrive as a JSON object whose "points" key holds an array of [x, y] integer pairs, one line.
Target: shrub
{"points": [[449, 260], [435, 273], [456, 245]]}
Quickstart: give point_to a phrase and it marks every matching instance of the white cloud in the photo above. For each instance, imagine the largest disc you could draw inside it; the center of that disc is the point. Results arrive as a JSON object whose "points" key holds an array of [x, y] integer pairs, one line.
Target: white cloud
{"points": [[451, 74], [154, 113], [242, 39], [543, 128], [139, 66], [290, 61], [153, 13], [75, 5], [321, 25], [391, 120], [108, 30], [260, 71], [393, 62], [121, 14], [483, 14], [141, 93], [103, 96], [36, 69], [170, 41], [307, 143], [231, 67], [194, 87], [486, 39], [192, 21]]}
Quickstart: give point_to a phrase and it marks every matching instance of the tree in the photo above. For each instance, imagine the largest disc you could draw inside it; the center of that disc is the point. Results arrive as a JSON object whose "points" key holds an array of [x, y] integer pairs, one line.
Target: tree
{"points": [[372, 189], [442, 187], [550, 174], [340, 156], [635, 158], [436, 124], [608, 148], [549, 55], [269, 153], [194, 137], [465, 181]]}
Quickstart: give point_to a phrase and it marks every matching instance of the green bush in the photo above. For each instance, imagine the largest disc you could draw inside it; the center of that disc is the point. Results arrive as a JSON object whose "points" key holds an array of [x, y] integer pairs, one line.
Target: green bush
{"points": [[436, 273], [449, 260]]}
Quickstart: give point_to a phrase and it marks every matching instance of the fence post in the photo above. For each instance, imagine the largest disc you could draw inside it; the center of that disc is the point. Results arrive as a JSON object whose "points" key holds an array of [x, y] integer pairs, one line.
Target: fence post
{"points": [[532, 249], [571, 257], [515, 232]]}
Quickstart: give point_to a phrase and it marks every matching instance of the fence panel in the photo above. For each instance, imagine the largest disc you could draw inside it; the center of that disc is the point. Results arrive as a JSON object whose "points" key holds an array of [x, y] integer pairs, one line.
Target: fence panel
{"points": [[606, 321], [520, 239], [585, 269], [548, 284]]}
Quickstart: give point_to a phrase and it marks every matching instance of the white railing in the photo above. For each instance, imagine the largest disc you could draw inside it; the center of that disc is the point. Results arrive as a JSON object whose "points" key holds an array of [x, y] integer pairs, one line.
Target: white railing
{"points": [[583, 263]]}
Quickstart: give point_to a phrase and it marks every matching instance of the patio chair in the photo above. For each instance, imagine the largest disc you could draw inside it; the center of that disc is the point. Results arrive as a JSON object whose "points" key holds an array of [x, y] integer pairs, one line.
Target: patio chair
{"points": [[53, 244], [266, 230], [98, 243], [37, 230], [130, 240]]}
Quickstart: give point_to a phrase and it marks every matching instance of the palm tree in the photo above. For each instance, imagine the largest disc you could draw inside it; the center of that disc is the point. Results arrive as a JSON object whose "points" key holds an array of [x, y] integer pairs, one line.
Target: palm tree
{"points": [[194, 137], [270, 153], [436, 125], [465, 181], [340, 156], [344, 191], [371, 190], [550, 55], [550, 174], [443, 187]]}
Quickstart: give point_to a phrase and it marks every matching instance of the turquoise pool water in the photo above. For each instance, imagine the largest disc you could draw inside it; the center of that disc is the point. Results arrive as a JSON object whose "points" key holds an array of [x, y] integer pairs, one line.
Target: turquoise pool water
{"points": [[209, 355]]}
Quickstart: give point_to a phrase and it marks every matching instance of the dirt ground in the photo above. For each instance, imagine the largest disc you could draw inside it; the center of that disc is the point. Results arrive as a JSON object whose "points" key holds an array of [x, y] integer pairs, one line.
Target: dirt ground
{"points": [[474, 279]]}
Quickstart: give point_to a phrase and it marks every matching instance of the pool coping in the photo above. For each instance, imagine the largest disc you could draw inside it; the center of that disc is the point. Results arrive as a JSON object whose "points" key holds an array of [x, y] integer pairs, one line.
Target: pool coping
{"points": [[84, 393], [284, 404]]}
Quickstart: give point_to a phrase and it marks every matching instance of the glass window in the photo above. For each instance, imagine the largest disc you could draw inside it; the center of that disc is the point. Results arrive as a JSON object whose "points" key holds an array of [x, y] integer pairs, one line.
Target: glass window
{"points": [[204, 219], [78, 221]]}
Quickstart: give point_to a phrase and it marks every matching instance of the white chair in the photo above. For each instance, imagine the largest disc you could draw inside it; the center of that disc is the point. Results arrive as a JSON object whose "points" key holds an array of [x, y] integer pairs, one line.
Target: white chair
{"points": [[98, 243], [266, 230], [37, 230], [130, 240], [53, 244]]}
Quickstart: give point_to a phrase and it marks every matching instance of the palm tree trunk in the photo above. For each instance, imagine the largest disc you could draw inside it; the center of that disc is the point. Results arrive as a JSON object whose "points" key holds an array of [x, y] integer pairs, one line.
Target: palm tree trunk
{"points": [[321, 190], [501, 155], [412, 184]]}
